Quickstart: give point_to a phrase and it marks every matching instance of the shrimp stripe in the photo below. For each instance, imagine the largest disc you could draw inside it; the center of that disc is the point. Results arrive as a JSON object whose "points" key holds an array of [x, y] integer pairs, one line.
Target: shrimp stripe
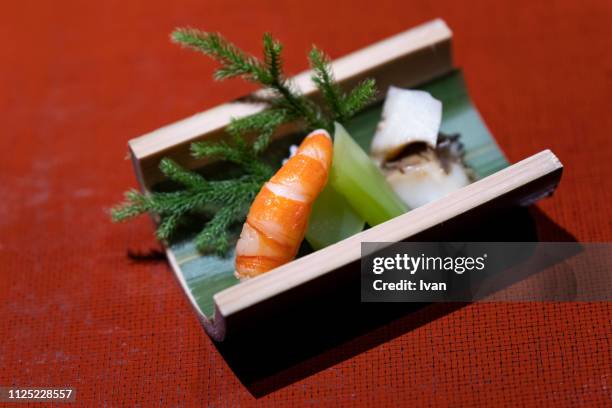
{"points": [[278, 216], [257, 243], [301, 174], [287, 192]]}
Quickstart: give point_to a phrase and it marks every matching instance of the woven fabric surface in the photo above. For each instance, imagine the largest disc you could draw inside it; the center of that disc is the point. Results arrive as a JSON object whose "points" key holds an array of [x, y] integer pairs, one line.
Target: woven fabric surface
{"points": [[78, 79]]}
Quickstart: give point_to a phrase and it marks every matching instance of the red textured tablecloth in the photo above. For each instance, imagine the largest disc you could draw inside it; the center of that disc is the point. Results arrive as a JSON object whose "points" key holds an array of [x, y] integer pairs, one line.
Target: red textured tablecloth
{"points": [[78, 79]]}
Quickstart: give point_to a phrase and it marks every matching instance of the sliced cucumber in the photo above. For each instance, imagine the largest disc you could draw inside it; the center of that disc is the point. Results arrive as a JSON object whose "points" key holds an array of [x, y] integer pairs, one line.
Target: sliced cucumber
{"points": [[356, 177], [332, 219]]}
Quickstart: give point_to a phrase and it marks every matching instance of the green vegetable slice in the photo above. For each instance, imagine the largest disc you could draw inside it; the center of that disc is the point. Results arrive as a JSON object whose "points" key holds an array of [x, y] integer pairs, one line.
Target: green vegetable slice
{"points": [[356, 177], [332, 219]]}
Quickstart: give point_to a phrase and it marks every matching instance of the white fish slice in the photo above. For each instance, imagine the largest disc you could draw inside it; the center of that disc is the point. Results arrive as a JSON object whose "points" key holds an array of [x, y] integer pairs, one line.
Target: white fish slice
{"points": [[408, 116]]}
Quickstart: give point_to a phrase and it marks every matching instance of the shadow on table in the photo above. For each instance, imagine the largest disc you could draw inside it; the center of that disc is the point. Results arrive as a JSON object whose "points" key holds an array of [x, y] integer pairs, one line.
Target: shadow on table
{"points": [[333, 325]]}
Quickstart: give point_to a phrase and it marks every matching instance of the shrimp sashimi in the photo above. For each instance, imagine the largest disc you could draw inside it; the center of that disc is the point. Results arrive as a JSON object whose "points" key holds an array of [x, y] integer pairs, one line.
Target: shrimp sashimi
{"points": [[277, 220]]}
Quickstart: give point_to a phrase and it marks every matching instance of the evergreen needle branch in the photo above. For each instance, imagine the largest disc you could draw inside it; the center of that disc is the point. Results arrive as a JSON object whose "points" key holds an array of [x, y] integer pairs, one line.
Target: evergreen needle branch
{"points": [[341, 105], [235, 62], [265, 123], [245, 158], [324, 79], [226, 201], [267, 72]]}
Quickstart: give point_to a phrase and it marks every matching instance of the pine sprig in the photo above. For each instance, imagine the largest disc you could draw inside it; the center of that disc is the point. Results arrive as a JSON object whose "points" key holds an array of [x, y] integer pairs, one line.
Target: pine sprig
{"points": [[359, 97], [178, 174], [238, 154], [272, 56], [235, 62], [264, 123], [215, 236], [323, 78], [342, 106], [226, 202], [268, 73]]}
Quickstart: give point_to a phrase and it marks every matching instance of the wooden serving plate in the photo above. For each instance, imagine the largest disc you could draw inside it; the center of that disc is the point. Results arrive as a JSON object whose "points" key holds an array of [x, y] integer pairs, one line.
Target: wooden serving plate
{"points": [[417, 58]]}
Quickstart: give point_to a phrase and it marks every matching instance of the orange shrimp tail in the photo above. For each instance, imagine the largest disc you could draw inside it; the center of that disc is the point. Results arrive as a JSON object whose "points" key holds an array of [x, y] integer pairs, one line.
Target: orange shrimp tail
{"points": [[278, 217]]}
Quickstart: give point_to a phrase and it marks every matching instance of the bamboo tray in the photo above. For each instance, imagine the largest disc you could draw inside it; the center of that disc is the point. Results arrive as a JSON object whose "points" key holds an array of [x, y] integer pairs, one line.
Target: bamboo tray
{"points": [[418, 58]]}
